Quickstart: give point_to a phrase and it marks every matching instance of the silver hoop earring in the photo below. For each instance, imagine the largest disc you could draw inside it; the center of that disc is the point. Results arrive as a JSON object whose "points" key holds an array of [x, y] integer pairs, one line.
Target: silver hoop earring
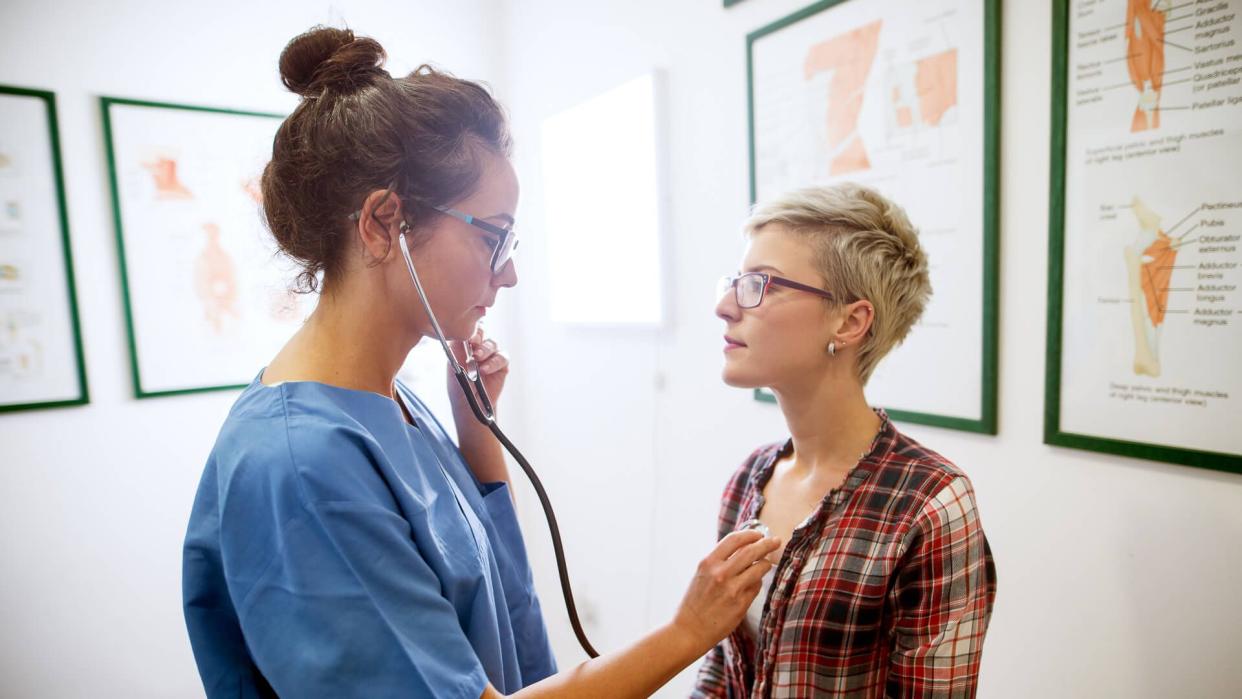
{"points": [[832, 349]]}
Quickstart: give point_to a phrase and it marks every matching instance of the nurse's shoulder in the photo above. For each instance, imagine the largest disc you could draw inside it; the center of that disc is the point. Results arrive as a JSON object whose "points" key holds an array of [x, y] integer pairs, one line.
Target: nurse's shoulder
{"points": [[297, 443]]}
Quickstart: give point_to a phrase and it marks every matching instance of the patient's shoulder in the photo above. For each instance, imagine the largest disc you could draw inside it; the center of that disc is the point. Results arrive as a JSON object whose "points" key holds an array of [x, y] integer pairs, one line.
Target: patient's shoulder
{"points": [[740, 484], [751, 467]]}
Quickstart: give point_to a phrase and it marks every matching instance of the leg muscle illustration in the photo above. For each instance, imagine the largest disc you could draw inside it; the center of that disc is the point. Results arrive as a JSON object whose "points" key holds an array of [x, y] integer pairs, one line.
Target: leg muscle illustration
{"points": [[1149, 266], [1145, 58], [215, 281]]}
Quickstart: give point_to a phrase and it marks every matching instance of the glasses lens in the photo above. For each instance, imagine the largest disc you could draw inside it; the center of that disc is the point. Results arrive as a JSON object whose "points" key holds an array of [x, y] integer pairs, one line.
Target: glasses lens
{"points": [[723, 286], [749, 290], [504, 252]]}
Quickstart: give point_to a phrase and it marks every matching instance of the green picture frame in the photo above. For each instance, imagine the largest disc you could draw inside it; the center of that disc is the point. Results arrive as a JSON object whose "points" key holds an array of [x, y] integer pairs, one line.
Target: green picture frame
{"points": [[1053, 434], [986, 423], [73, 323], [107, 105]]}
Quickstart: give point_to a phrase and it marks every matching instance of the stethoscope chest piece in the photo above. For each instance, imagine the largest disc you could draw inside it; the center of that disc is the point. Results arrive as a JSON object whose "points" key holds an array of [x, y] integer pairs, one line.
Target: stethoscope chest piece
{"points": [[755, 525]]}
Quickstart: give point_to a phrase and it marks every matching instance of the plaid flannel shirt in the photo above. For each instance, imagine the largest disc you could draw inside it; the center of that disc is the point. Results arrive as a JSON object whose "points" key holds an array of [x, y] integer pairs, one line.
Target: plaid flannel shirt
{"points": [[885, 590]]}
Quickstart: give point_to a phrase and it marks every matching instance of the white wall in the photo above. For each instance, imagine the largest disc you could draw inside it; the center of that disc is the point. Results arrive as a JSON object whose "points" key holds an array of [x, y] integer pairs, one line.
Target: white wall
{"points": [[1117, 577], [94, 500]]}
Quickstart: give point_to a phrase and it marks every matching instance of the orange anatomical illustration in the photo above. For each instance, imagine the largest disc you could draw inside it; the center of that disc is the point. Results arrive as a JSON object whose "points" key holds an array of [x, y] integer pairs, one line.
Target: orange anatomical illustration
{"points": [[253, 189], [1145, 21], [21, 353], [848, 57], [924, 91], [1149, 265], [936, 83], [164, 175], [215, 281]]}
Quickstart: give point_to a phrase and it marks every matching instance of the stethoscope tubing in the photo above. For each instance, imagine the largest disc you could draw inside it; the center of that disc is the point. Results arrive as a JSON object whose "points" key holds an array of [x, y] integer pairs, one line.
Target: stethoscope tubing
{"points": [[488, 419]]}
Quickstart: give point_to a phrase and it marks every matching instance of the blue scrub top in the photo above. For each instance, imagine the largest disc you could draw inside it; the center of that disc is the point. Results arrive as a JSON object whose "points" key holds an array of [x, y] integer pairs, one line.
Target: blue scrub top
{"points": [[336, 550]]}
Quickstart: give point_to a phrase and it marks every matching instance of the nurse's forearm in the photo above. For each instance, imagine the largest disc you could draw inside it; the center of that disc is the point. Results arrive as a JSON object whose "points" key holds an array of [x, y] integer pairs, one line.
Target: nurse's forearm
{"points": [[483, 453], [636, 671], [723, 587]]}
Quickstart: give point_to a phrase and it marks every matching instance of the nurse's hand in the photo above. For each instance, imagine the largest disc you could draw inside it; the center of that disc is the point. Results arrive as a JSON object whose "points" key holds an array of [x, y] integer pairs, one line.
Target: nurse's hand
{"points": [[493, 367], [724, 585], [478, 445]]}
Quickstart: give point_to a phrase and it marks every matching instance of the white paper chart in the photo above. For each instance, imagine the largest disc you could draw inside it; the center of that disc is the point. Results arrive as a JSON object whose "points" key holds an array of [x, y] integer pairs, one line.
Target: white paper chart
{"points": [[892, 95], [1151, 345]]}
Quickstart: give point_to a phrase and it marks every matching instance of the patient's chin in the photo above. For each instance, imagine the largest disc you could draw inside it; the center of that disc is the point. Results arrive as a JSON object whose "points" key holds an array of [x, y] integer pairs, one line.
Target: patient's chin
{"points": [[738, 379]]}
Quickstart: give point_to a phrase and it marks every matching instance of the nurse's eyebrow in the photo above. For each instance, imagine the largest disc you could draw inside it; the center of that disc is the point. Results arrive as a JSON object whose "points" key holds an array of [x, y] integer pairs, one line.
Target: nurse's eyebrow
{"points": [[760, 268]]}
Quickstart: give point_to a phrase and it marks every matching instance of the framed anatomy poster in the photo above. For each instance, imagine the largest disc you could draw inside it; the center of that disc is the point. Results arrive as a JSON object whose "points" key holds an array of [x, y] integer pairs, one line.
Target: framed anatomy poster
{"points": [[902, 97], [208, 299], [1145, 313], [41, 364]]}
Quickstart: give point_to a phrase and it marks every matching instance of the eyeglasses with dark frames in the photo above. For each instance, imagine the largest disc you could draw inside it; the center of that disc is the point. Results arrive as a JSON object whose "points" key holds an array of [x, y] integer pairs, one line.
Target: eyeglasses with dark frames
{"points": [[749, 288]]}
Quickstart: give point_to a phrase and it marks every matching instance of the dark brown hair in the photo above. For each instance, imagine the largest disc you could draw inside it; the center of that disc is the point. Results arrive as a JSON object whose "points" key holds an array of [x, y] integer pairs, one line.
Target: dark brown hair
{"points": [[358, 129]]}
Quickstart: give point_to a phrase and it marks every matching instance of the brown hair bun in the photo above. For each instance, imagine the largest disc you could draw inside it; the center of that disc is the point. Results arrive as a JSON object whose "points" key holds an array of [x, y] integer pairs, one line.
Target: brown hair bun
{"points": [[325, 58], [358, 130]]}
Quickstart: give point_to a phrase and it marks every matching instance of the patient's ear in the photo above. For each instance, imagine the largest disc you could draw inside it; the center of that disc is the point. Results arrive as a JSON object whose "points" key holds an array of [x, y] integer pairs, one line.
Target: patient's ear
{"points": [[855, 323]]}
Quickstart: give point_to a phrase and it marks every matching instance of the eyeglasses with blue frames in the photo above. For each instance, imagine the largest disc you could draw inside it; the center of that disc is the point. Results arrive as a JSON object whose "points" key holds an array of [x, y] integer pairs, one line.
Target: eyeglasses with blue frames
{"points": [[749, 288], [503, 247]]}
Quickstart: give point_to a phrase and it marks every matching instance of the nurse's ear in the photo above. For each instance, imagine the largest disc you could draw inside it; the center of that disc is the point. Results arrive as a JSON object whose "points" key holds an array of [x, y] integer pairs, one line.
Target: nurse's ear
{"points": [[379, 225]]}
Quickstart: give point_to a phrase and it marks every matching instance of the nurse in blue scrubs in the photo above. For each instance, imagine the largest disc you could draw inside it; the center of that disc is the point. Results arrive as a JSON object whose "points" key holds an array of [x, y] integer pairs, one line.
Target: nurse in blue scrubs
{"points": [[340, 543]]}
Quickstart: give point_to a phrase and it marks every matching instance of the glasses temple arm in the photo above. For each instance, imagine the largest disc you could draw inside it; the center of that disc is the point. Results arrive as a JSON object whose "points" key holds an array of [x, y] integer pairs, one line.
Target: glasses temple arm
{"points": [[801, 287]]}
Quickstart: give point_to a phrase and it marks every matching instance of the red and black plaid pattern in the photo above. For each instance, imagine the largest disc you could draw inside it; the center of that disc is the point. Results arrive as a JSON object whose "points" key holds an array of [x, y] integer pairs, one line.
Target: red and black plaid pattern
{"points": [[885, 590]]}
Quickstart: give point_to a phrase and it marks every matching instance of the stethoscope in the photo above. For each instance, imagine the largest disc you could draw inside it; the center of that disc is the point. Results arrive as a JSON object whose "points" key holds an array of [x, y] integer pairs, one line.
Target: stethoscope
{"points": [[486, 414]]}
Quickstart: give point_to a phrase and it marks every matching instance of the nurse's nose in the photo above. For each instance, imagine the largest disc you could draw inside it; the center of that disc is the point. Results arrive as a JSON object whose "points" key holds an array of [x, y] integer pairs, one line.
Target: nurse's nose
{"points": [[507, 277]]}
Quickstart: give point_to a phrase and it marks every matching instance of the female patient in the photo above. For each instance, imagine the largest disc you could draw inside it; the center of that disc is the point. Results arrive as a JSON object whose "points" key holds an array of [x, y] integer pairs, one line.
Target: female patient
{"points": [[886, 584]]}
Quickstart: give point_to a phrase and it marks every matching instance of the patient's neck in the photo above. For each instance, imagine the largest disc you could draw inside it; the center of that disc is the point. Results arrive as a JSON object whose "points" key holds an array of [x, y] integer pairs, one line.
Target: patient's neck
{"points": [[829, 421]]}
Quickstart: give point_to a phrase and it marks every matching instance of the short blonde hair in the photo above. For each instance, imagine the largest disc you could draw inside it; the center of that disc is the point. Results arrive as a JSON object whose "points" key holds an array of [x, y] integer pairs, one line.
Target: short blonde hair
{"points": [[865, 248]]}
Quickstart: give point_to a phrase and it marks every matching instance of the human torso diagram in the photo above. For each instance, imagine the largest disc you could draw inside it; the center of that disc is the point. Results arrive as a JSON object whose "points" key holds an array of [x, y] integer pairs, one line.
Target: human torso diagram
{"points": [[192, 231], [215, 281], [163, 171]]}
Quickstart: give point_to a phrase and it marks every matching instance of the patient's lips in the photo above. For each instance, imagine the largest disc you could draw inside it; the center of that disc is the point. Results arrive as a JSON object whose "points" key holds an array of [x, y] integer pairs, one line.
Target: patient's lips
{"points": [[732, 344]]}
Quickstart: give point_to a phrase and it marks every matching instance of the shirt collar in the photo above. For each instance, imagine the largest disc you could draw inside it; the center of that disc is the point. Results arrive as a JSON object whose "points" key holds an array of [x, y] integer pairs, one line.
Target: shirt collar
{"points": [[881, 445]]}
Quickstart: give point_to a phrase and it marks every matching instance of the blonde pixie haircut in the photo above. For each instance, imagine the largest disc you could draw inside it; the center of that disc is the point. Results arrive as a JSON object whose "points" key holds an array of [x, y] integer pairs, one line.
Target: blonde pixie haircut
{"points": [[865, 248]]}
